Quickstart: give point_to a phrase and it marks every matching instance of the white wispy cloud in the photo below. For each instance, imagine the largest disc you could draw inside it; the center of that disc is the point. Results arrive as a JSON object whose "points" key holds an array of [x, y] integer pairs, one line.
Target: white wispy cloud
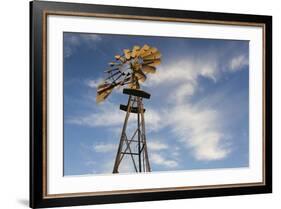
{"points": [[156, 145], [90, 163], [182, 77], [175, 152], [71, 42], [238, 62], [105, 147], [183, 92], [106, 115], [125, 167], [199, 130], [159, 159], [90, 37], [94, 82], [109, 115], [182, 70]]}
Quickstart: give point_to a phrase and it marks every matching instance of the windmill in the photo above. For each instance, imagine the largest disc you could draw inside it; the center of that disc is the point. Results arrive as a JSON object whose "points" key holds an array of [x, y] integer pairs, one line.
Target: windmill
{"points": [[129, 70]]}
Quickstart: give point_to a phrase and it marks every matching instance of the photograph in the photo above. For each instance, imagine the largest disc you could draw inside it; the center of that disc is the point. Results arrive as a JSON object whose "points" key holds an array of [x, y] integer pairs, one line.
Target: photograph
{"points": [[135, 103]]}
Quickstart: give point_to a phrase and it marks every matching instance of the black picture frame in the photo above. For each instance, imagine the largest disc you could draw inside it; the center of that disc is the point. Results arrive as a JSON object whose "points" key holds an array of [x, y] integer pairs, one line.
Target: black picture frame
{"points": [[38, 11]]}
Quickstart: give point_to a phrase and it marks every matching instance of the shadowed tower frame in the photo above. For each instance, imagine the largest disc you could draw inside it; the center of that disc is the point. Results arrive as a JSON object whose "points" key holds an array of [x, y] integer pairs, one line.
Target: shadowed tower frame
{"points": [[139, 157]]}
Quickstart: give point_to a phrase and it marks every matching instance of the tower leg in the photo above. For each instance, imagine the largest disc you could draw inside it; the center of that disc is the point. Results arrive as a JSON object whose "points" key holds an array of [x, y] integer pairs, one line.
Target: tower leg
{"points": [[146, 163], [139, 142], [123, 135]]}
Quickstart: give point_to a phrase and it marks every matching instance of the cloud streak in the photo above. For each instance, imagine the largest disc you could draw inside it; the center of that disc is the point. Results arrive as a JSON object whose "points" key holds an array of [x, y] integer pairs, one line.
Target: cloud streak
{"points": [[198, 130], [104, 148], [109, 115], [159, 159], [73, 41], [157, 145], [238, 63]]}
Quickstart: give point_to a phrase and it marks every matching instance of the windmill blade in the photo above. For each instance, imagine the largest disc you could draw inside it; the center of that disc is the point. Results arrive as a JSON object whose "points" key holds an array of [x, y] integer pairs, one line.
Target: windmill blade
{"points": [[147, 52], [104, 86], [153, 49], [152, 63], [117, 57], [117, 78], [155, 55], [113, 64], [120, 58], [104, 90], [135, 51], [112, 75], [126, 79], [155, 63], [123, 59], [103, 95], [148, 69], [117, 67], [127, 54], [144, 49]]}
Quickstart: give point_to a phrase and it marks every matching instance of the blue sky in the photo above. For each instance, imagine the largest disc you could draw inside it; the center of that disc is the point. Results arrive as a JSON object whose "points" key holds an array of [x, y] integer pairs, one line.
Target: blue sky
{"points": [[197, 116]]}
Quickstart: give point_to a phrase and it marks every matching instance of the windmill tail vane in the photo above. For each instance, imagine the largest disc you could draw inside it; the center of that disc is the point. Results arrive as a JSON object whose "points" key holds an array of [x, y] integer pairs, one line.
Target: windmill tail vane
{"points": [[129, 70]]}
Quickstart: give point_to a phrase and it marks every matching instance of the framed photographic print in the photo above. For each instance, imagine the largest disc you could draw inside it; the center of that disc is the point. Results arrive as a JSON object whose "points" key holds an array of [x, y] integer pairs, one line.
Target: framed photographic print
{"points": [[139, 104]]}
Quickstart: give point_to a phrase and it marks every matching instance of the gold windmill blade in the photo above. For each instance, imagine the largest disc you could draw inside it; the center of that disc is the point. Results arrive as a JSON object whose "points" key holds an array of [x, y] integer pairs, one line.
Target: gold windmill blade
{"points": [[144, 49], [148, 69], [127, 54], [117, 57], [120, 58], [153, 49], [153, 56], [110, 70], [103, 87], [145, 53], [155, 63], [149, 51], [152, 63], [104, 90], [112, 64], [135, 51], [101, 96], [126, 79]]}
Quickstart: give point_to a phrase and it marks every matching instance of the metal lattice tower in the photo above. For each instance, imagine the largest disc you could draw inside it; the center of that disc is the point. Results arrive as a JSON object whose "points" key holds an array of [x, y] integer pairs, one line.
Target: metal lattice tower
{"points": [[137, 139]]}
